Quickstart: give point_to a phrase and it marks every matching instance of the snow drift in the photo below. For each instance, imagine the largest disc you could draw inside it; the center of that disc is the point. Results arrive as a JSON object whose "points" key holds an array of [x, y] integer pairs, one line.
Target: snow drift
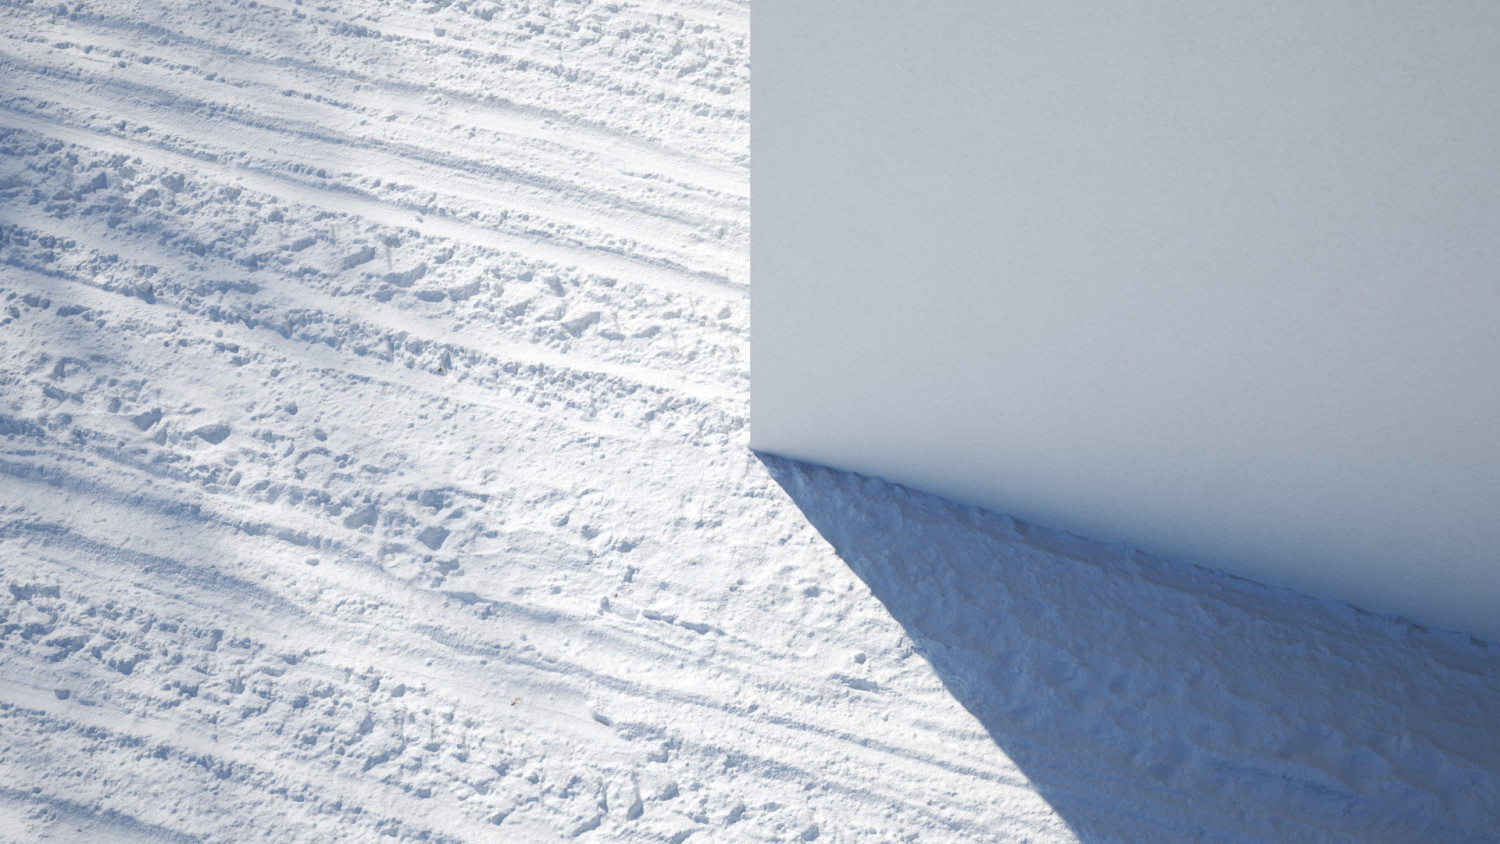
{"points": [[1216, 281], [374, 386]]}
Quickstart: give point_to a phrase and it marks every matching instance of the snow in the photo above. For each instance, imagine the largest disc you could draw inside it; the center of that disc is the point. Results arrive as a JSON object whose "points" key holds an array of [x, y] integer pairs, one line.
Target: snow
{"points": [[1216, 280], [374, 462]]}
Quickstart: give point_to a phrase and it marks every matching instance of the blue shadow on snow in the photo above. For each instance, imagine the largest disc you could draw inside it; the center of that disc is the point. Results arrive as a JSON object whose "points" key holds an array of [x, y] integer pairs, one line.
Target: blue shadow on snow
{"points": [[1152, 700]]}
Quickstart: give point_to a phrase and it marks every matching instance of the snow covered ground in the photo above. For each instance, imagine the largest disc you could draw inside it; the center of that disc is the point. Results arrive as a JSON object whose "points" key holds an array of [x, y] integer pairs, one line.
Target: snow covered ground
{"points": [[374, 391]]}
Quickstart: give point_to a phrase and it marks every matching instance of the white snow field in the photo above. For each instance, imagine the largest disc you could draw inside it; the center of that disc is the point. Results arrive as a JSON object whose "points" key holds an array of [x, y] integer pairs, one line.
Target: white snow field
{"points": [[373, 464]]}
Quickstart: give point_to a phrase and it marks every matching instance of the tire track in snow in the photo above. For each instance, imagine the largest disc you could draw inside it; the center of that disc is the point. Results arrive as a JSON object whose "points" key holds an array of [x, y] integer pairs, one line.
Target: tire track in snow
{"points": [[658, 272], [255, 128], [512, 51], [601, 634], [770, 728], [560, 129], [566, 679], [488, 359]]}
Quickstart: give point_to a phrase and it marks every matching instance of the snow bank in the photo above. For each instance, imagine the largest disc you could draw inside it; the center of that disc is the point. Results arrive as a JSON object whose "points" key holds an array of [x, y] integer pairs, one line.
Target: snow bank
{"points": [[374, 467], [1148, 700], [1214, 281]]}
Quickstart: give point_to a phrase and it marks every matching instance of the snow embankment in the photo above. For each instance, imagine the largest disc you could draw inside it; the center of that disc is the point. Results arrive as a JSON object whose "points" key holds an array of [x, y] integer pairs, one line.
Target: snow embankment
{"points": [[372, 463]]}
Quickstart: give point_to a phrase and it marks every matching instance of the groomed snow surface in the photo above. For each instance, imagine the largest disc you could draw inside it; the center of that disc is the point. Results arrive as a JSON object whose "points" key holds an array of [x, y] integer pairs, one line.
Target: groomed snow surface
{"points": [[373, 463]]}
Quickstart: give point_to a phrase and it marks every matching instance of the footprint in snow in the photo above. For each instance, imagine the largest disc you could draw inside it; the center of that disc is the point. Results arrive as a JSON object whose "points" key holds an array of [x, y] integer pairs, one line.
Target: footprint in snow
{"points": [[213, 434], [433, 537], [144, 421]]}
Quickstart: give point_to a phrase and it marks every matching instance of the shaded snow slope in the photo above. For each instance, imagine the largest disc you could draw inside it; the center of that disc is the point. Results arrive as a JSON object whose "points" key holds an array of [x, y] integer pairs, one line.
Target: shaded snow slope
{"points": [[1154, 701], [373, 461]]}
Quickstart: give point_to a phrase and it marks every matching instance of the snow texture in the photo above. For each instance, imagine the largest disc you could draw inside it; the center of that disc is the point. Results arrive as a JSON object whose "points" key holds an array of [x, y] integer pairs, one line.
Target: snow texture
{"points": [[1213, 279], [373, 464]]}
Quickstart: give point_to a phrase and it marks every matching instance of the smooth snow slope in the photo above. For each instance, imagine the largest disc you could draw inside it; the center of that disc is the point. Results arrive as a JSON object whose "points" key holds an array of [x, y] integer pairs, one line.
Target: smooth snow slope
{"points": [[373, 463], [1164, 273]]}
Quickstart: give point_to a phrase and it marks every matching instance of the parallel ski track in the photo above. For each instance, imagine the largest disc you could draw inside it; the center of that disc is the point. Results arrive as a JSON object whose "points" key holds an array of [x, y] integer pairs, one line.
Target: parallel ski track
{"points": [[374, 389], [538, 243], [569, 181]]}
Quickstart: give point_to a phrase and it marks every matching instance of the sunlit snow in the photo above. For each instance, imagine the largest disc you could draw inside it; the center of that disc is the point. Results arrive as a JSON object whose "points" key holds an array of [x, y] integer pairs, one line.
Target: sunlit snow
{"points": [[374, 463]]}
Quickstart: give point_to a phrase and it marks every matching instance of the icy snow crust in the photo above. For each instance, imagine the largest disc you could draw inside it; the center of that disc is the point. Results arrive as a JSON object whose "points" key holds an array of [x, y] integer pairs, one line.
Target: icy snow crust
{"points": [[373, 463]]}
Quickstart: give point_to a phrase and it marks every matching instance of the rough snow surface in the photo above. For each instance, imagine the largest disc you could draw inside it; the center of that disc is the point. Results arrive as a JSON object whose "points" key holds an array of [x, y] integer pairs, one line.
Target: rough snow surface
{"points": [[373, 407]]}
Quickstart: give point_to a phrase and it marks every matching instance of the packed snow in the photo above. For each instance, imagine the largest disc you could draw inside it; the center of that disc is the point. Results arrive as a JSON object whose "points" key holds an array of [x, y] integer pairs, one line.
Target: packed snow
{"points": [[373, 463]]}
